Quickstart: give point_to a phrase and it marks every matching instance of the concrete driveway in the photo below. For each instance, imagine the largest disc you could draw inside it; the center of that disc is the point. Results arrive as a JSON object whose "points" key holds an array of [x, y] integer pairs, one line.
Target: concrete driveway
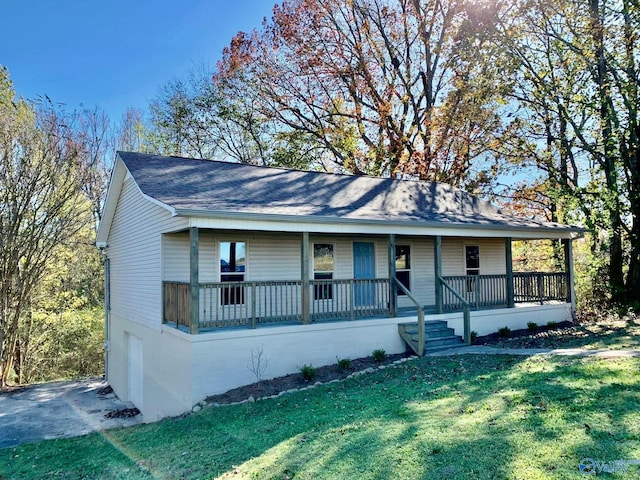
{"points": [[57, 410]]}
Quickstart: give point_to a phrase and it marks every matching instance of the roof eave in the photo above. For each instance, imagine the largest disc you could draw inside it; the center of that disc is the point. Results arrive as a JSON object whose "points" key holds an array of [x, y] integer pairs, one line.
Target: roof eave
{"points": [[358, 221]]}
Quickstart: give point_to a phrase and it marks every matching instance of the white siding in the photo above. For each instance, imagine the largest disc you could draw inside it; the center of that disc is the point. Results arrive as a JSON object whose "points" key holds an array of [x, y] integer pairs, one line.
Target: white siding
{"points": [[492, 255], [176, 257], [274, 257], [422, 271], [135, 252]]}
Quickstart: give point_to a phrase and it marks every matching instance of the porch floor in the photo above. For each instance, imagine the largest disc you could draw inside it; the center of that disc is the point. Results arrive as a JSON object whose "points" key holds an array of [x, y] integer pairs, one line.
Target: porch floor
{"points": [[402, 312]]}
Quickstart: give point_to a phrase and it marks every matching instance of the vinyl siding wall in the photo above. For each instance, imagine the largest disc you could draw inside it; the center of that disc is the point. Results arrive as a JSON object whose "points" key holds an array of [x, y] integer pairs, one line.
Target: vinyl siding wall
{"points": [[135, 253]]}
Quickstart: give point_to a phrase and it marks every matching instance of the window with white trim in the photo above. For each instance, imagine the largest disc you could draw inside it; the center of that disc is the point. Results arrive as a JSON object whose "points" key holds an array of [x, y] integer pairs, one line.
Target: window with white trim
{"points": [[233, 260], [323, 268]]}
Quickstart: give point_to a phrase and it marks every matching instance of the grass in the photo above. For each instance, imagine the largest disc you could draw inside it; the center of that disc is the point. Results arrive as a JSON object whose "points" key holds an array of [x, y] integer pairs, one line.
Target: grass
{"points": [[480, 417]]}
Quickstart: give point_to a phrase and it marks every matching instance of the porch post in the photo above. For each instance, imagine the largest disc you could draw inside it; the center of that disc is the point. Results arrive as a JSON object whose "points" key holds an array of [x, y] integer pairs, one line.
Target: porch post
{"points": [[304, 277], [194, 281], [393, 290], [568, 267], [509, 264], [437, 257]]}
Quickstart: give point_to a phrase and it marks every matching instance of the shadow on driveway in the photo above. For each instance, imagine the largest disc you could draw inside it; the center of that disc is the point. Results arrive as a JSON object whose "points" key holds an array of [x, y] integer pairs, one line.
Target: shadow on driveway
{"points": [[57, 410]]}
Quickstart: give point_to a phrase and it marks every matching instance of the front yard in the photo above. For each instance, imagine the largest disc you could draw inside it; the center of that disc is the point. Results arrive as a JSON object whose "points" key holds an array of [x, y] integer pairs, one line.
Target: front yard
{"points": [[475, 417]]}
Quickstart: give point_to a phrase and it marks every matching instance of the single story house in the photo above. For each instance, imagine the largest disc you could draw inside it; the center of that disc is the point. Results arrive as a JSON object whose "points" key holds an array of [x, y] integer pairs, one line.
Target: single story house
{"points": [[210, 263]]}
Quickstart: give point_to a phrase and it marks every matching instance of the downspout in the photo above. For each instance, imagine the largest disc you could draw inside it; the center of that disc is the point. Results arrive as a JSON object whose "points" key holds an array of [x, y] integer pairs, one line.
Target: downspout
{"points": [[107, 312]]}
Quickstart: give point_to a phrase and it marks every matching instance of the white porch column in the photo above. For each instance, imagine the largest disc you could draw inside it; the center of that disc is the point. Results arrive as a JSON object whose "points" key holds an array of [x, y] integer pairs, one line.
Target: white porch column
{"points": [[194, 280]]}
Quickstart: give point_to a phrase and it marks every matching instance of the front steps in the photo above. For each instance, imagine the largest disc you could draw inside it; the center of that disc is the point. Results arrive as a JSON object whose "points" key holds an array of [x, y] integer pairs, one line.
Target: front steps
{"points": [[438, 336]]}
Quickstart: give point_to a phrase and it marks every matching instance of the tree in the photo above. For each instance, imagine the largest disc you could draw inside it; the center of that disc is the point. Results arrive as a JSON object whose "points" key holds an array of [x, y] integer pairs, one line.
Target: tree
{"points": [[384, 87], [41, 204], [576, 120]]}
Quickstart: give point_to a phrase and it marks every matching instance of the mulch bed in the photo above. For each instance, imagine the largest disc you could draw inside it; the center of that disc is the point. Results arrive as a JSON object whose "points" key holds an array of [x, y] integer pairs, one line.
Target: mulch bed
{"points": [[274, 386], [543, 337]]}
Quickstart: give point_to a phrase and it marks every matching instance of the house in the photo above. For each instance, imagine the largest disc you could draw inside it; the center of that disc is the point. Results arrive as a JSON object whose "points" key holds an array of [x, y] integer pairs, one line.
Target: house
{"points": [[210, 263]]}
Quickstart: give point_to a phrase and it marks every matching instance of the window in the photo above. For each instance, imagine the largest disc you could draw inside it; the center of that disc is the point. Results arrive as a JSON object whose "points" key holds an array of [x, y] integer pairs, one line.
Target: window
{"points": [[403, 267], [472, 265], [472, 262], [323, 267], [232, 269]]}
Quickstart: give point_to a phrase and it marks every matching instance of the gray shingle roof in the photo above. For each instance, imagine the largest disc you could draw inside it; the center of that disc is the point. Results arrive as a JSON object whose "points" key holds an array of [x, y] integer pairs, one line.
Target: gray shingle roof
{"points": [[194, 187]]}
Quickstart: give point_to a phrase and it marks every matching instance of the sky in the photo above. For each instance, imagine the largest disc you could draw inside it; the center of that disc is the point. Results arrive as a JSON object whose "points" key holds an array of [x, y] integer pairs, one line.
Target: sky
{"points": [[113, 53]]}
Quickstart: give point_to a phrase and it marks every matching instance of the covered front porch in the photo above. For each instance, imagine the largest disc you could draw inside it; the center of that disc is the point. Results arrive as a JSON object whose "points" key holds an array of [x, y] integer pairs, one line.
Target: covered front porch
{"points": [[244, 302]]}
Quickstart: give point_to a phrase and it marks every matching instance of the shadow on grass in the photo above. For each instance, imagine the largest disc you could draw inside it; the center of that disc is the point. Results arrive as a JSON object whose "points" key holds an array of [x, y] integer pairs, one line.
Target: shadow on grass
{"points": [[458, 417]]}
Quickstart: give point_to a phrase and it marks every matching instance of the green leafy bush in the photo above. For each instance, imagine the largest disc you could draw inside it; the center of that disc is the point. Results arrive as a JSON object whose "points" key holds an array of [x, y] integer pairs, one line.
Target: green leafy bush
{"points": [[532, 326], [474, 336]]}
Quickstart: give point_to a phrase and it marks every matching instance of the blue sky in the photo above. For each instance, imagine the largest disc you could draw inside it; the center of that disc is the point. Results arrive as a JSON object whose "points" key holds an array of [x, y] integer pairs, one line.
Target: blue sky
{"points": [[115, 53]]}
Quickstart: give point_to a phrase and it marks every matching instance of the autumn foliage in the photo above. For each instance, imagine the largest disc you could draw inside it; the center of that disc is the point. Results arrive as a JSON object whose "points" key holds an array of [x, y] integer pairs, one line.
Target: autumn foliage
{"points": [[384, 87]]}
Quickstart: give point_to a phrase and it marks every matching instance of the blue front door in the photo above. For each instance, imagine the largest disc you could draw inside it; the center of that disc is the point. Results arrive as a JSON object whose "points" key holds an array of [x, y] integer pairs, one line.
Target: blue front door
{"points": [[364, 267]]}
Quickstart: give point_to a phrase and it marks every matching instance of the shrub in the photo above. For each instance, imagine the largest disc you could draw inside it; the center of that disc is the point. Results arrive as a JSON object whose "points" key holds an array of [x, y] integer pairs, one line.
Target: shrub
{"points": [[474, 336], [532, 326], [344, 364], [308, 372], [552, 324], [504, 332], [379, 355]]}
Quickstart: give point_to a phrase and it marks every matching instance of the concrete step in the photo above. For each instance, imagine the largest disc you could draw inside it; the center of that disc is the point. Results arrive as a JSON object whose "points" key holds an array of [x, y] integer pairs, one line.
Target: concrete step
{"points": [[437, 342], [444, 347], [438, 336]]}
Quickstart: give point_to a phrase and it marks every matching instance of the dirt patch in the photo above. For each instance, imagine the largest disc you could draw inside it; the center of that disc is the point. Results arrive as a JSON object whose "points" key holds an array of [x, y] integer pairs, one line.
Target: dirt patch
{"points": [[274, 386]]}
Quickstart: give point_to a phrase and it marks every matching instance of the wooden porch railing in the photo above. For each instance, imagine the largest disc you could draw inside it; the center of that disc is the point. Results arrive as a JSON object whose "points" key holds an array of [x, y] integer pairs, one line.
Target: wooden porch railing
{"points": [[176, 303], [349, 298], [538, 287], [486, 291], [249, 304]]}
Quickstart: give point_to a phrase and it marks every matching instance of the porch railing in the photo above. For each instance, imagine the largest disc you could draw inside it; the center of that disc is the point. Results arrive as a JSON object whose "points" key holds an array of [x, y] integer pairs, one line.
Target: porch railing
{"points": [[486, 291], [349, 298], [234, 304], [249, 304], [540, 287]]}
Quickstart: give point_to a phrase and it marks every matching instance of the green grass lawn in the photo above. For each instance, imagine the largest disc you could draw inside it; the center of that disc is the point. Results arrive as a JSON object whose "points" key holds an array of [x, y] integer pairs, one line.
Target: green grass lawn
{"points": [[468, 417]]}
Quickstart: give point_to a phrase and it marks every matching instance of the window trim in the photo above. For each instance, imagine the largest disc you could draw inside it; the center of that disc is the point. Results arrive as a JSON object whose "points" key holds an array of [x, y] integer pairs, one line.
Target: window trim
{"points": [[464, 257], [471, 283], [232, 295], [407, 270], [323, 292]]}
